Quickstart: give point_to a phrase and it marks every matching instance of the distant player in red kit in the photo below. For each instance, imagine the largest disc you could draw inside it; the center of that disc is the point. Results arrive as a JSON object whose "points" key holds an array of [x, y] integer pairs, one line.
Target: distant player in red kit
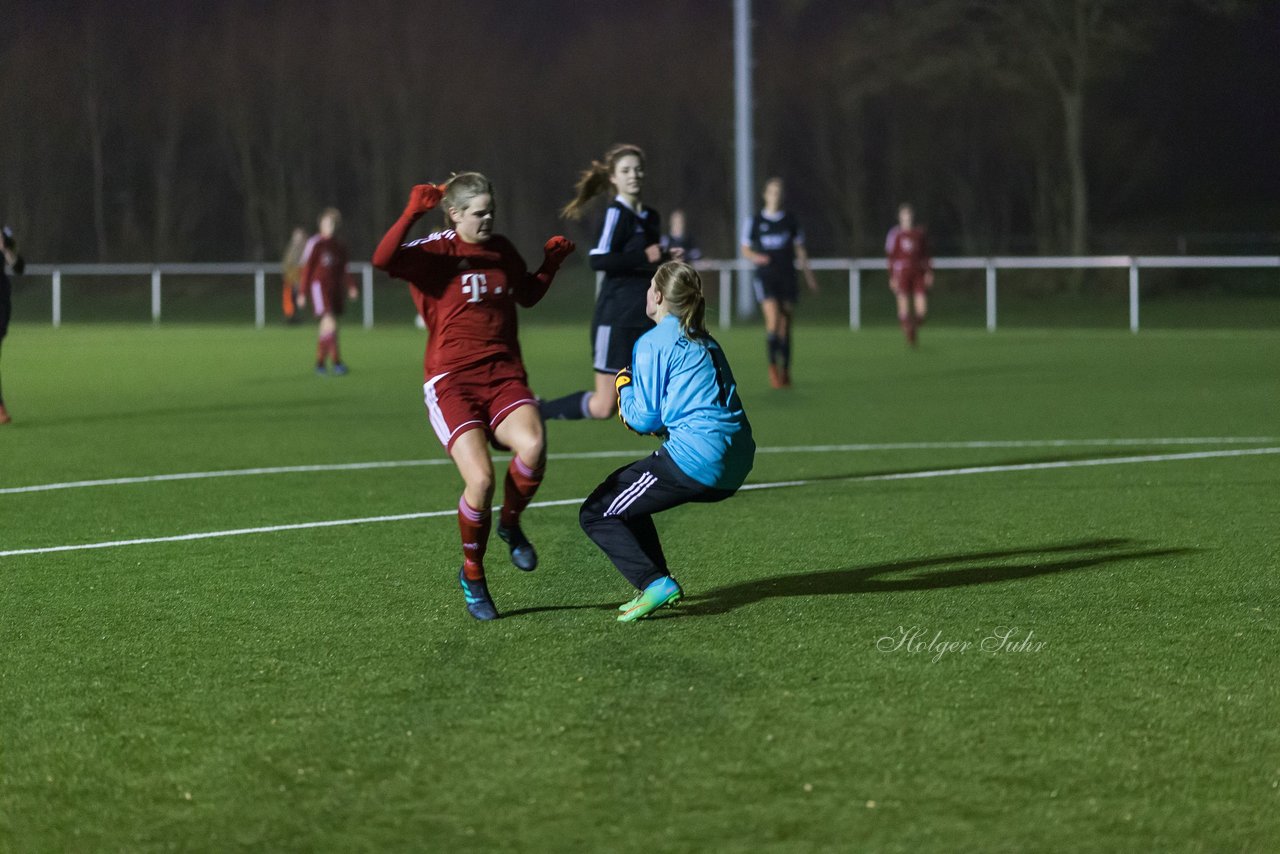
{"points": [[324, 281], [910, 271], [467, 282]]}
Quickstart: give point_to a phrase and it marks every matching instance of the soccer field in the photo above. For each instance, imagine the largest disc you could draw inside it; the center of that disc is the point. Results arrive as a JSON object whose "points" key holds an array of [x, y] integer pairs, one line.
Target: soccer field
{"points": [[1009, 592]]}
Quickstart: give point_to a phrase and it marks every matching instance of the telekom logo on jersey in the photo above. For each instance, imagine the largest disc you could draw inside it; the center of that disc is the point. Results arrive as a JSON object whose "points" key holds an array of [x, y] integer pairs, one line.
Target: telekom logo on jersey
{"points": [[476, 285]]}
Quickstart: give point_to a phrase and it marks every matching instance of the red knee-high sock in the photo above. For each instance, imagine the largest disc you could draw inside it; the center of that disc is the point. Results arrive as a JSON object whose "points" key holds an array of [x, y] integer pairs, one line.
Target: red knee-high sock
{"points": [[904, 320], [522, 482], [473, 525], [322, 349]]}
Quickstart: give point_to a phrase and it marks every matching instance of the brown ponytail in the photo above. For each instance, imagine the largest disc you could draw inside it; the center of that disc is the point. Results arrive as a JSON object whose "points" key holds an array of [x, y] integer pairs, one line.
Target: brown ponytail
{"points": [[594, 181]]}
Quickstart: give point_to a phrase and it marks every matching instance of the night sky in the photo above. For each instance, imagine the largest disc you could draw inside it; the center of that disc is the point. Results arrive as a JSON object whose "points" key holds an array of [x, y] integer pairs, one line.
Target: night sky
{"points": [[158, 131]]}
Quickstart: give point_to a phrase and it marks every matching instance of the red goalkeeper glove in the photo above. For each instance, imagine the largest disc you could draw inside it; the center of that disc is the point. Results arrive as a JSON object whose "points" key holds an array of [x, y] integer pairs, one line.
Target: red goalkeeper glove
{"points": [[555, 251], [423, 197]]}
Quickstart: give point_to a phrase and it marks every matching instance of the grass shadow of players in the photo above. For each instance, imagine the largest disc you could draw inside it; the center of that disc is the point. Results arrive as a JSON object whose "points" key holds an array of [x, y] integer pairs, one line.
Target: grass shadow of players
{"points": [[943, 571]]}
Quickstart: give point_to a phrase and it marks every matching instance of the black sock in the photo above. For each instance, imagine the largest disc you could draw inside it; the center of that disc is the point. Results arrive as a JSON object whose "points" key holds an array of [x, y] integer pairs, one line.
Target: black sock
{"points": [[784, 352], [771, 346], [571, 407]]}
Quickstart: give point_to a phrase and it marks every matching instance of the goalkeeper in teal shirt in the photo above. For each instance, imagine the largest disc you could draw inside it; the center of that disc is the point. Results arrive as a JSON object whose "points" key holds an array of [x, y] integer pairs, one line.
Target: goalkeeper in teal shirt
{"points": [[679, 387]]}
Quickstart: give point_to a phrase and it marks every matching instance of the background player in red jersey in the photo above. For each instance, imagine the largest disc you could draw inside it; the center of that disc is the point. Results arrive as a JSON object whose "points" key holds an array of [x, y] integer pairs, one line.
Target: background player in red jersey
{"points": [[466, 282], [325, 281], [910, 271]]}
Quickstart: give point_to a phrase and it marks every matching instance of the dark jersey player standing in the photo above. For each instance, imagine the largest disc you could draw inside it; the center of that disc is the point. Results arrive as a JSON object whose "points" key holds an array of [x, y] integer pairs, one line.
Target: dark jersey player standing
{"points": [[774, 242], [628, 252], [9, 260]]}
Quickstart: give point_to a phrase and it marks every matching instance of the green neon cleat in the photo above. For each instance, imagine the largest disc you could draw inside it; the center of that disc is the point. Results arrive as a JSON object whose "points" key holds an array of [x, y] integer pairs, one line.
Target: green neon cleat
{"points": [[662, 593]]}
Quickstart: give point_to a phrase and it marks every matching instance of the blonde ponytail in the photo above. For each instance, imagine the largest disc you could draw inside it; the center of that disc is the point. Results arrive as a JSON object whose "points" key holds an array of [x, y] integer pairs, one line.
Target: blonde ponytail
{"points": [[681, 288]]}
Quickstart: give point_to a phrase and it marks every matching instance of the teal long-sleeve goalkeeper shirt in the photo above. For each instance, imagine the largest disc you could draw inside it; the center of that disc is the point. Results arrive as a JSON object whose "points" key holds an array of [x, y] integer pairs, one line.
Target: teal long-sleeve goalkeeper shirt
{"points": [[684, 387]]}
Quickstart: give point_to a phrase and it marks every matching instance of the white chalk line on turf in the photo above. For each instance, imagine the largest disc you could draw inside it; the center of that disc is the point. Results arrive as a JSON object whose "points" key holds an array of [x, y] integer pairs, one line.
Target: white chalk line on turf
{"points": [[401, 517], [595, 455]]}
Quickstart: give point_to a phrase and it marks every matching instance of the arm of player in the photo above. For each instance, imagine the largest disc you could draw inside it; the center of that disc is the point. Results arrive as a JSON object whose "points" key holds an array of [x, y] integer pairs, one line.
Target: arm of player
{"points": [[640, 400], [308, 273], [535, 285], [390, 256], [607, 256], [802, 256]]}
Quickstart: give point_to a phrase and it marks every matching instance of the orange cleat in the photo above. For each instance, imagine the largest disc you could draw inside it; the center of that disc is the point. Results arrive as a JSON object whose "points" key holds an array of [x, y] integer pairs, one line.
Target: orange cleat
{"points": [[4, 415], [775, 377]]}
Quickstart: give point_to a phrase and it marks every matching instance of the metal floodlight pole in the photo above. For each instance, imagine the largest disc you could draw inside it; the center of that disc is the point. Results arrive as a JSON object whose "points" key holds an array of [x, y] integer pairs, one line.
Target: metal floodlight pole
{"points": [[744, 155]]}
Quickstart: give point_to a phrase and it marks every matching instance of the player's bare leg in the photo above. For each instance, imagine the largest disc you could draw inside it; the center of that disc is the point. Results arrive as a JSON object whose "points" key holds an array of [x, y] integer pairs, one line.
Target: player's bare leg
{"points": [[904, 315], [522, 431], [325, 340], [470, 453], [602, 404], [921, 301]]}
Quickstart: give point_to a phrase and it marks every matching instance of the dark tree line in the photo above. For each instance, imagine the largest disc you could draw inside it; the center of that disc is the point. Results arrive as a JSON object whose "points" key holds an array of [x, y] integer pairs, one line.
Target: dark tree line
{"points": [[165, 131]]}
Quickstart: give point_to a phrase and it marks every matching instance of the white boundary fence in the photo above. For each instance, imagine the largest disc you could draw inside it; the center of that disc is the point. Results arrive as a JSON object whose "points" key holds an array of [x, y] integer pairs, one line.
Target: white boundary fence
{"points": [[158, 272], [853, 266], [856, 266]]}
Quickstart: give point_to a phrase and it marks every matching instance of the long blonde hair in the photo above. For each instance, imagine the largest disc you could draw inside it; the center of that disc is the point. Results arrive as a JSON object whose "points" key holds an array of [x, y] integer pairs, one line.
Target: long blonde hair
{"points": [[681, 288], [595, 180]]}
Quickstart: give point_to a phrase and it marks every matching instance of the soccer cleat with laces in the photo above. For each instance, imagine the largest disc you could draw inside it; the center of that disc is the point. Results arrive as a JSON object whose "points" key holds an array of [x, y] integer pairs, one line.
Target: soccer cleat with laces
{"points": [[522, 553], [479, 603], [661, 593]]}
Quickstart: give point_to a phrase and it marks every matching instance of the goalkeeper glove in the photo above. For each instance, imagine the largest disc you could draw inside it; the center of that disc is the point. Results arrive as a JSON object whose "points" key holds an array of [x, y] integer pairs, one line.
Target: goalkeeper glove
{"points": [[555, 251], [621, 381], [423, 197]]}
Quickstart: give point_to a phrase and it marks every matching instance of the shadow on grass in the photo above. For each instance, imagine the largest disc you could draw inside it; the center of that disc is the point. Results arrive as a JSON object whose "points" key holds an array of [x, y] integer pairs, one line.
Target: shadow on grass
{"points": [[955, 570]]}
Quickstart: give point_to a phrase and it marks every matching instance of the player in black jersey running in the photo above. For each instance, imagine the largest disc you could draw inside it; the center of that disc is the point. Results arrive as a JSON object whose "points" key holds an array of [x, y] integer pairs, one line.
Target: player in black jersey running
{"points": [[774, 242], [628, 251]]}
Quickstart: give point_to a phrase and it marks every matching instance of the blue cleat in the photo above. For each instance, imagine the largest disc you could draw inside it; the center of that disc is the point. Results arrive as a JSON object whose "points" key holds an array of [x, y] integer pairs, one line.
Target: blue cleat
{"points": [[479, 603], [522, 553], [321, 371], [340, 370], [659, 594]]}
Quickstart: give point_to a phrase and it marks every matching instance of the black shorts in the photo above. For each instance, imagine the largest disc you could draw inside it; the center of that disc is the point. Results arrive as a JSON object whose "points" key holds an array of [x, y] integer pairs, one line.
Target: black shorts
{"points": [[776, 286], [611, 346]]}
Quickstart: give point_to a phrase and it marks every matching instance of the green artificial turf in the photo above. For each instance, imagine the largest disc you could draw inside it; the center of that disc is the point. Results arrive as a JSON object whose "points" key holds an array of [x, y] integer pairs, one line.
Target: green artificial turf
{"points": [[324, 689]]}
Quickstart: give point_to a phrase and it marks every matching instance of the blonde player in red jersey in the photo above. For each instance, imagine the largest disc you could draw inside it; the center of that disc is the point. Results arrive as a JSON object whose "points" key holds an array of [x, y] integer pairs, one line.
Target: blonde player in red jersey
{"points": [[467, 281], [324, 281]]}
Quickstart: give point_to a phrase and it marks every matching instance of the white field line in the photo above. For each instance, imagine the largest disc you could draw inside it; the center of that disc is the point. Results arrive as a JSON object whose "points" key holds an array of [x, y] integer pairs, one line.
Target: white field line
{"points": [[595, 455], [400, 517]]}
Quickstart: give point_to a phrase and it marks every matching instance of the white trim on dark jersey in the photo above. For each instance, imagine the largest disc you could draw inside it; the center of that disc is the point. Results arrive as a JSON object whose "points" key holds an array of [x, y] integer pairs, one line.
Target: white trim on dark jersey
{"points": [[606, 232]]}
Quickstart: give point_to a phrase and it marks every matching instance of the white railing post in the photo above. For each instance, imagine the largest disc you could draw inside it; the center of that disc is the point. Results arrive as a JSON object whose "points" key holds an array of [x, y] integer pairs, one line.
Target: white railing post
{"points": [[855, 296], [155, 295], [991, 295], [259, 298], [56, 297], [1133, 295], [726, 296], [366, 287]]}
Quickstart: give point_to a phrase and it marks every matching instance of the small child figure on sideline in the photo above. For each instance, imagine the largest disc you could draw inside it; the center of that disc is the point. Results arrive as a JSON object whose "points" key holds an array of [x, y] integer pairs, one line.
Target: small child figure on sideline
{"points": [[680, 386]]}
